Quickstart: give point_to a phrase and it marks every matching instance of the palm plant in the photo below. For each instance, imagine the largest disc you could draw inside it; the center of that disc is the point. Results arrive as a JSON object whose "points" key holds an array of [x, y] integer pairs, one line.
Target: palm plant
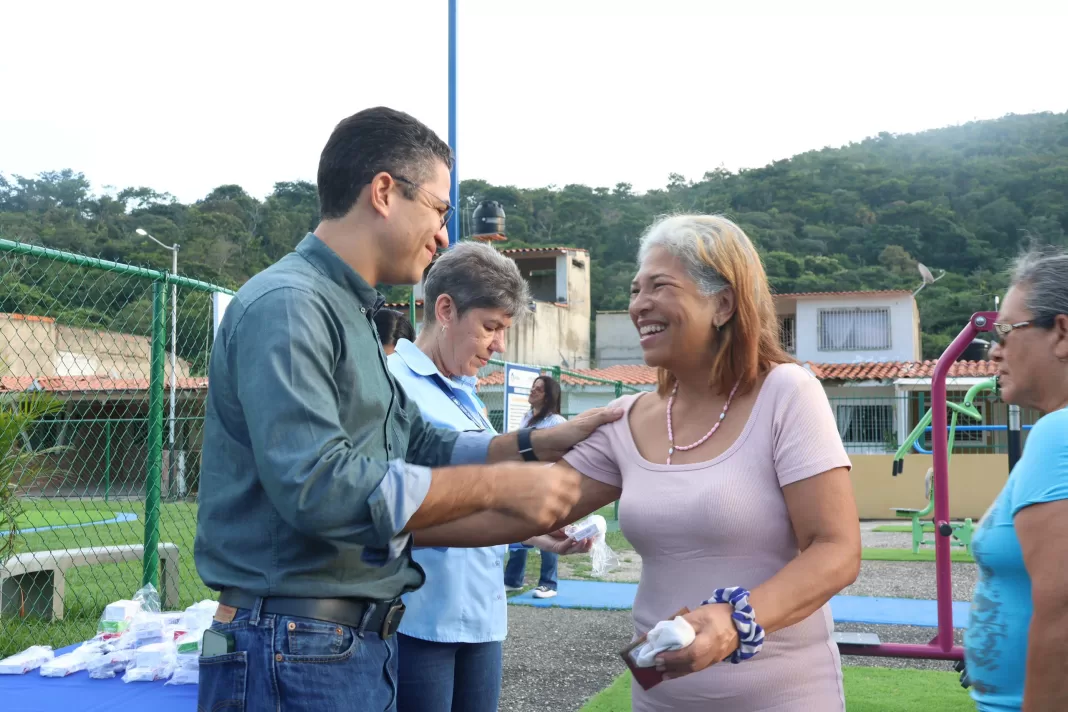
{"points": [[18, 414]]}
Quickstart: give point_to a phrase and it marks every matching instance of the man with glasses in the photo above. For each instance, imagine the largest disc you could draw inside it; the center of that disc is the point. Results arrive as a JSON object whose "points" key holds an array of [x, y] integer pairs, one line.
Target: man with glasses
{"points": [[317, 467]]}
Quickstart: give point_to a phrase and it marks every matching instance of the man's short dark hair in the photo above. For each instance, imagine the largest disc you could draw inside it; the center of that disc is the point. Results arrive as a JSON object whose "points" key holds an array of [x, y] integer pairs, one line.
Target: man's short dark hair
{"points": [[369, 142]]}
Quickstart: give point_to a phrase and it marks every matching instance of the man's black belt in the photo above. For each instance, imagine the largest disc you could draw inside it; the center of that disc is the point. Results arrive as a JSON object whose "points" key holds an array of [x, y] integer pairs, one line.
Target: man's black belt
{"points": [[382, 617]]}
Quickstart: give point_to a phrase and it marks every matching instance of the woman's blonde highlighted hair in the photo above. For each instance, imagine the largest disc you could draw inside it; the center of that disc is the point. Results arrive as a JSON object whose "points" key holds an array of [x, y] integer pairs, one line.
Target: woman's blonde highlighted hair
{"points": [[718, 254]]}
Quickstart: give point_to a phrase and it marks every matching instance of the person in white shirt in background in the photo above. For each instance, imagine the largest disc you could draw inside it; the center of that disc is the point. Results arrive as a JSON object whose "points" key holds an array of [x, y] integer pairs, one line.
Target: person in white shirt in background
{"points": [[544, 412]]}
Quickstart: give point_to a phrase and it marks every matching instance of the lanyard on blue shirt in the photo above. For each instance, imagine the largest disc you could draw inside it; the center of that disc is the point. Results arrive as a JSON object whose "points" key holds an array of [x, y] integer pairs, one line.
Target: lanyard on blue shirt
{"points": [[475, 418]]}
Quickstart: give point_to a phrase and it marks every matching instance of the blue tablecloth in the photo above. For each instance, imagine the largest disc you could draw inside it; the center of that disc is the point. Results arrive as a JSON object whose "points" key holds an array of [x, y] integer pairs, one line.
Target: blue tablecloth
{"points": [[79, 693]]}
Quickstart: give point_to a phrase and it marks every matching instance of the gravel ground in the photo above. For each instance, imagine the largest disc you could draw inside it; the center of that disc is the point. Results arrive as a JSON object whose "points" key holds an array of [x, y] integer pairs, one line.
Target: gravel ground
{"points": [[556, 659], [908, 579], [905, 579]]}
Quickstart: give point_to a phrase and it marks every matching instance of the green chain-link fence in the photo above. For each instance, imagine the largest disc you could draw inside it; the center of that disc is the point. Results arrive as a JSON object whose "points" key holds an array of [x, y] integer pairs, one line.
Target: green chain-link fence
{"points": [[99, 487]]}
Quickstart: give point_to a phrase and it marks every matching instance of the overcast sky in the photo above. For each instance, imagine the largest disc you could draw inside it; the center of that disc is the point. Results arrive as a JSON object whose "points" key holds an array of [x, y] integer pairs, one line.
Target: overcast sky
{"points": [[183, 97]]}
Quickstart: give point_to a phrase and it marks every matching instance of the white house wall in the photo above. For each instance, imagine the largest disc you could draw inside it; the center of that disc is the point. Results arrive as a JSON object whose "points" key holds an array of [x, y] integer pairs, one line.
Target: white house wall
{"points": [[903, 332], [617, 340]]}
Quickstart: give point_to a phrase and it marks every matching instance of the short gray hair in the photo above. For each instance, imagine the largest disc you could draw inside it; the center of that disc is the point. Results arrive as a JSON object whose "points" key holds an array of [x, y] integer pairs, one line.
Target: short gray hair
{"points": [[476, 276], [1043, 272], [699, 241]]}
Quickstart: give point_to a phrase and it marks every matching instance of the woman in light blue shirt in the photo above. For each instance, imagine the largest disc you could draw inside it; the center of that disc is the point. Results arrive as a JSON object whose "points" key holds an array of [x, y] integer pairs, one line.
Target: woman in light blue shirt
{"points": [[1016, 643], [449, 641], [544, 412]]}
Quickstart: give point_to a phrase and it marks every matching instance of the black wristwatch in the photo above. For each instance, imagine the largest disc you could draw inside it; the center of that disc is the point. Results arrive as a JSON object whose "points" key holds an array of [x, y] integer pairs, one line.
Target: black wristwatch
{"points": [[526, 448]]}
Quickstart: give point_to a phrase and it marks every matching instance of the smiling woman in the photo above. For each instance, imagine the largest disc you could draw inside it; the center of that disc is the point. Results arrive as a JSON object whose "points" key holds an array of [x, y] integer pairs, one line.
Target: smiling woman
{"points": [[733, 485]]}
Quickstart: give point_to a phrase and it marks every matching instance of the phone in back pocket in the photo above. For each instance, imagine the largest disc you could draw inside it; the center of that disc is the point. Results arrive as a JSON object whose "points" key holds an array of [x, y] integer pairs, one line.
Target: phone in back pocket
{"points": [[215, 643]]}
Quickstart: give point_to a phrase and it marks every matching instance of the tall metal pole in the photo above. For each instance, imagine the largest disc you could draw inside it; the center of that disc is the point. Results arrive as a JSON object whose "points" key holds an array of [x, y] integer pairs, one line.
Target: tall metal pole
{"points": [[150, 562], [454, 192], [175, 468], [454, 180]]}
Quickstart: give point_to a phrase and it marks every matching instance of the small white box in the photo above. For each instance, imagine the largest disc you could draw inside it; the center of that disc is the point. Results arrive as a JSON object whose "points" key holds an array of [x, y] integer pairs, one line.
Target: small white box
{"points": [[154, 656], [121, 610]]}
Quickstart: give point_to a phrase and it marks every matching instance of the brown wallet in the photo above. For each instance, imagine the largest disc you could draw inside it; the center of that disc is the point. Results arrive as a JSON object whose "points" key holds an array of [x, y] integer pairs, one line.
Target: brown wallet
{"points": [[647, 677]]}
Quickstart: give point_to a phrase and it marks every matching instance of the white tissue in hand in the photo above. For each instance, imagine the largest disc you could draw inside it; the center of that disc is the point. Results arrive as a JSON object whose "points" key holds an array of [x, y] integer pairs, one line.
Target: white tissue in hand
{"points": [[665, 635]]}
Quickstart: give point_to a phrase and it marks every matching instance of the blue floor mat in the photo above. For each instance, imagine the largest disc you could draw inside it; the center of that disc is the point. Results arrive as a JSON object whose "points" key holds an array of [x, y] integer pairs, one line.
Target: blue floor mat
{"points": [[583, 594], [845, 609]]}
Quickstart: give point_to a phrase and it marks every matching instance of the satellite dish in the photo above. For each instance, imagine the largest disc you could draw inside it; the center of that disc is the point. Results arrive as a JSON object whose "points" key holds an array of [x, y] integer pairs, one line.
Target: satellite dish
{"points": [[926, 276]]}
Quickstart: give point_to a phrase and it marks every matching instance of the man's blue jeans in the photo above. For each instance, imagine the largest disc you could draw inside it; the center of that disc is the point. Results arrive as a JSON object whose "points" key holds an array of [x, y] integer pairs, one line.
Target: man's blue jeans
{"points": [[299, 665], [517, 564], [448, 677]]}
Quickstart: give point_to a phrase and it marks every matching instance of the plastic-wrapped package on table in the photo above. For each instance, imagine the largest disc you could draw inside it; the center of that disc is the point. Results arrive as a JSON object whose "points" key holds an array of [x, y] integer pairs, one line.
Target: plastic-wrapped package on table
{"points": [[74, 661], [108, 665], [29, 659], [198, 616], [148, 674], [152, 662], [118, 615], [184, 676], [188, 670]]}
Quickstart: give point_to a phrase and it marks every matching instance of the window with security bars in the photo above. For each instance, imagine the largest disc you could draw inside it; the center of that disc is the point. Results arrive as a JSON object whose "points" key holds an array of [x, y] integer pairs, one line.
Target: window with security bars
{"points": [[787, 330], [854, 329], [867, 425]]}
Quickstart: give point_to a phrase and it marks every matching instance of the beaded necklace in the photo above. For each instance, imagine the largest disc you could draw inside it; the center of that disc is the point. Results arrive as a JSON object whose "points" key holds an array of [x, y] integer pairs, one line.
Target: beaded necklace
{"points": [[671, 435]]}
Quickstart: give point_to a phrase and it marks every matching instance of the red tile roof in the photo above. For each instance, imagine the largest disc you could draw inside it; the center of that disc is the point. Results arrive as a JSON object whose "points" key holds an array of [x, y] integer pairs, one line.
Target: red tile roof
{"points": [[856, 293], [92, 384], [640, 375], [28, 317], [900, 369], [630, 375]]}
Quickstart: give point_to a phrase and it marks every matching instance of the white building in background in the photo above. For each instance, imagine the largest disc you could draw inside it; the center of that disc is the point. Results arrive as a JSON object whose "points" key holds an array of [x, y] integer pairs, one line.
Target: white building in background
{"points": [[822, 327], [556, 330], [850, 327]]}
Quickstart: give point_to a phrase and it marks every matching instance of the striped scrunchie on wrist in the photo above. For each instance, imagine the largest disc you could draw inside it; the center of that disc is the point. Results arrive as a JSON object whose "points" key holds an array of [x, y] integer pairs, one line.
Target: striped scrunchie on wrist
{"points": [[750, 634]]}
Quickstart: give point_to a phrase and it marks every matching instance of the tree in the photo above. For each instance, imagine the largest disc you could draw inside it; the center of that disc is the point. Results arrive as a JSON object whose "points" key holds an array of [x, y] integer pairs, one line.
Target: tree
{"points": [[960, 199]]}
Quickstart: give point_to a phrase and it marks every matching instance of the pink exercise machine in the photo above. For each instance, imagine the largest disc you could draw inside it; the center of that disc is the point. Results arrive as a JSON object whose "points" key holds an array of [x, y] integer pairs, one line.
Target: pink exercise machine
{"points": [[941, 646]]}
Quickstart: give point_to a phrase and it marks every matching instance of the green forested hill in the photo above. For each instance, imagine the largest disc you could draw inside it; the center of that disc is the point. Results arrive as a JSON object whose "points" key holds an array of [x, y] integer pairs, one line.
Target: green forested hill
{"points": [[962, 199]]}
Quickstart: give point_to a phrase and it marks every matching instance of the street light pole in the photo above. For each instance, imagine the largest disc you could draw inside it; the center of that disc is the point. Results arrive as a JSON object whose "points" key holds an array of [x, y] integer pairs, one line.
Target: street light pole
{"points": [[454, 188], [174, 361]]}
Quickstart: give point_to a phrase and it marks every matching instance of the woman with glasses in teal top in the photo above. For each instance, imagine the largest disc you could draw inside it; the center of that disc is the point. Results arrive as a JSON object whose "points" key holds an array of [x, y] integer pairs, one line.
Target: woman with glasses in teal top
{"points": [[1016, 643], [450, 640]]}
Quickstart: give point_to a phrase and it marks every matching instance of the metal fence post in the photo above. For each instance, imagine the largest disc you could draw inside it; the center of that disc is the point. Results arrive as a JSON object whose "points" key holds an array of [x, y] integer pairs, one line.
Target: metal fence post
{"points": [[1014, 443], [107, 459], [154, 469]]}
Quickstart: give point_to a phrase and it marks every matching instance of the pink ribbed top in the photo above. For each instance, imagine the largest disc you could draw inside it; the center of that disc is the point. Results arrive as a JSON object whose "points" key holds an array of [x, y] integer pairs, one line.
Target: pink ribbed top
{"points": [[724, 522]]}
